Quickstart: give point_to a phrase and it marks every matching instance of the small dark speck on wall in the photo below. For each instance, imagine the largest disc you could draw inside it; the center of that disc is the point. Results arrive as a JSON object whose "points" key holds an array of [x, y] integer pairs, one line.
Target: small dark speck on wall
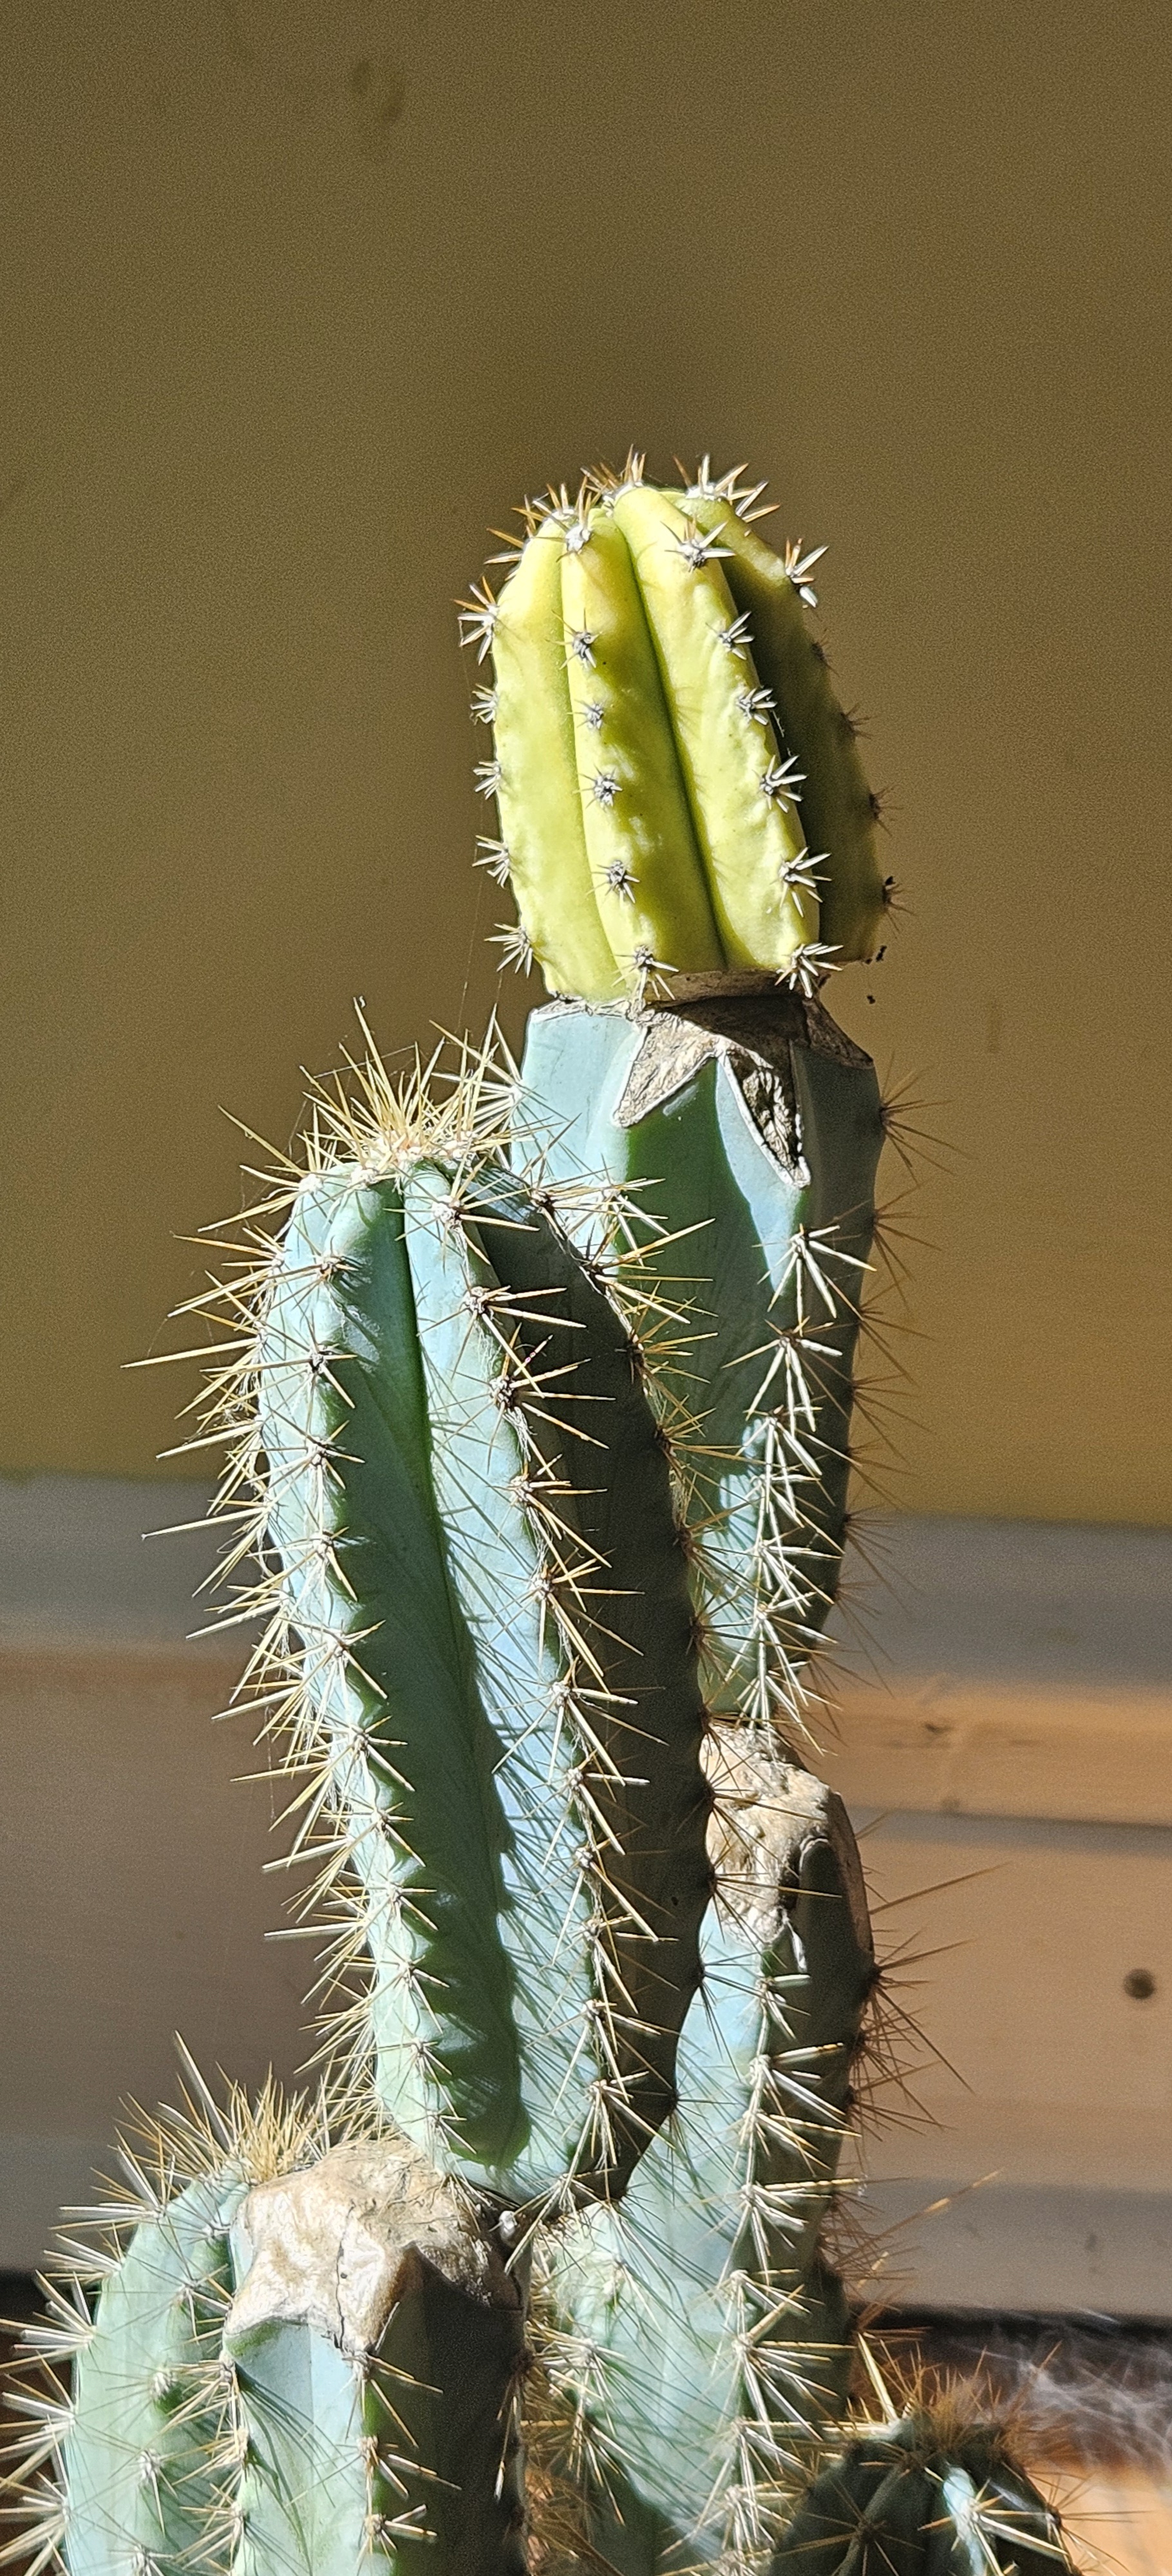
{"points": [[376, 92]]}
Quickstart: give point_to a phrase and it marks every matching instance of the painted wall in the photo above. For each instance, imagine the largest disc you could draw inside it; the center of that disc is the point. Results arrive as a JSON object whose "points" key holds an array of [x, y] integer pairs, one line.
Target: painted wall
{"points": [[294, 300]]}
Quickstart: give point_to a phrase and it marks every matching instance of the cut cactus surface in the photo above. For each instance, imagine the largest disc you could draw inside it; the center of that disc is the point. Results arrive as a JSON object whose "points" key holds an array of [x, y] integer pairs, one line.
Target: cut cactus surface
{"points": [[679, 791]]}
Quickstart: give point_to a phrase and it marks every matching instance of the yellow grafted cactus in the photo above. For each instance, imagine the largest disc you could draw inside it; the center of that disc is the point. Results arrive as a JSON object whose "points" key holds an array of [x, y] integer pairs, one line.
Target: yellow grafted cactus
{"points": [[679, 790]]}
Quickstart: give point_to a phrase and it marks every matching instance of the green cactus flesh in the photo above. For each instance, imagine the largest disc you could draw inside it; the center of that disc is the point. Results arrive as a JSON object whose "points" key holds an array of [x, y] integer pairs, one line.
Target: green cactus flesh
{"points": [[747, 1130], [476, 1547], [679, 792], [924, 2495]]}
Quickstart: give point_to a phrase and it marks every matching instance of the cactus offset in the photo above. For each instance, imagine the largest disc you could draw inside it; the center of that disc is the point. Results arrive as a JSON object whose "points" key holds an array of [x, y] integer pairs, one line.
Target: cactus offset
{"points": [[679, 791], [696, 2333], [932, 2492]]}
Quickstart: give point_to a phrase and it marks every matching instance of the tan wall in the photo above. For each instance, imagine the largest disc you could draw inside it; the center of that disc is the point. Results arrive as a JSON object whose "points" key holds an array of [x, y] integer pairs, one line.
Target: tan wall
{"points": [[279, 343]]}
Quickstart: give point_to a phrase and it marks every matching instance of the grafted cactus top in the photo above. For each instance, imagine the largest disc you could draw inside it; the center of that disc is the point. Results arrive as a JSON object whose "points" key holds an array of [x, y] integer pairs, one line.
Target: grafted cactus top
{"points": [[678, 788]]}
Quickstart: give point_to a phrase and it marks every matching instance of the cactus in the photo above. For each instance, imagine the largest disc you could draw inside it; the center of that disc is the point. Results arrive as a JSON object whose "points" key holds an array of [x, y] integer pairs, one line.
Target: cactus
{"points": [[303, 2356], [679, 791], [482, 1644], [933, 2492], [538, 1426]]}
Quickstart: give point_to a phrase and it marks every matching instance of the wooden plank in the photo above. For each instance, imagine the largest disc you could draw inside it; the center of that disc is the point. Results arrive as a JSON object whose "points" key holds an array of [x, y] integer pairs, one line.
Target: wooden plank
{"points": [[941, 1746]]}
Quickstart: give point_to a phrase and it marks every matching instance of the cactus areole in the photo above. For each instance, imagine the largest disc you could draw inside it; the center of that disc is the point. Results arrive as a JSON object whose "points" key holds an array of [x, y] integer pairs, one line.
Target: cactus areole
{"points": [[538, 1425]]}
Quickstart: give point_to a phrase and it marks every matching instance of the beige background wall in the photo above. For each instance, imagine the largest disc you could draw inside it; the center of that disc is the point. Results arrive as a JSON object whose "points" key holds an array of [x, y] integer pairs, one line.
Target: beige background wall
{"points": [[294, 299]]}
